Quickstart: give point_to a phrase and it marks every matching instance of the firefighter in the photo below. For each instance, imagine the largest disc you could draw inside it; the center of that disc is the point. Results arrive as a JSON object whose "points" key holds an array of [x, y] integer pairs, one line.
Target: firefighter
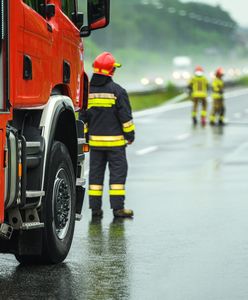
{"points": [[218, 98], [110, 128], [198, 89]]}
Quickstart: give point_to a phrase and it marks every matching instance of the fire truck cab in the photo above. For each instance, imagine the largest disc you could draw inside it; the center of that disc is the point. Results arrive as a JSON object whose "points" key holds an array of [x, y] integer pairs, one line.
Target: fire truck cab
{"points": [[42, 85]]}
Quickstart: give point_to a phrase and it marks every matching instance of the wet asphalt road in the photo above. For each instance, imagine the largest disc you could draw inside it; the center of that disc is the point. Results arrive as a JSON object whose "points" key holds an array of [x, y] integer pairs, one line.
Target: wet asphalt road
{"points": [[189, 237]]}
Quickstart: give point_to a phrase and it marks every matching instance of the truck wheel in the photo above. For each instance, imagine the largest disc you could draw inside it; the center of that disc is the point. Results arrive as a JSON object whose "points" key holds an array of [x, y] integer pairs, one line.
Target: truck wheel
{"points": [[59, 207]]}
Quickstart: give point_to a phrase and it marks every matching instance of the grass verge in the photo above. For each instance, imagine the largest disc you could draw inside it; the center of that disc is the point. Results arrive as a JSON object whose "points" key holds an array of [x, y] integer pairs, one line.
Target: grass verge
{"points": [[144, 100], [242, 81]]}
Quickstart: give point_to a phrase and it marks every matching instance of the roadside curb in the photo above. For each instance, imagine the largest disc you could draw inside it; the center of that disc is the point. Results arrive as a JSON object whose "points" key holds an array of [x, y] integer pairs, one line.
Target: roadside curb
{"points": [[176, 103], [160, 108]]}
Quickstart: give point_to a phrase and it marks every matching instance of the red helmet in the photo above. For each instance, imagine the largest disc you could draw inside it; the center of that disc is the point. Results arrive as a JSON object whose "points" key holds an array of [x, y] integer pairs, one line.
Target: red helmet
{"points": [[105, 64], [199, 71], [219, 72]]}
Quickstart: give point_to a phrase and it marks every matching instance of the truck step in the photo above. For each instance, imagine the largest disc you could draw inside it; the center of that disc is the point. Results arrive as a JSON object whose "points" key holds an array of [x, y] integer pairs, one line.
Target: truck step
{"points": [[34, 194], [81, 182], [33, 147], [78, 217], [34, 153], [31, 225], [6, 231], [81, 141]]}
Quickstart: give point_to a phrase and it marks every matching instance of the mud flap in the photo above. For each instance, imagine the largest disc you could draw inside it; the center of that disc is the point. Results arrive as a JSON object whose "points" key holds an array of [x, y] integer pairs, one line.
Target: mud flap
{"points": [[80, 193], [30, 242]]}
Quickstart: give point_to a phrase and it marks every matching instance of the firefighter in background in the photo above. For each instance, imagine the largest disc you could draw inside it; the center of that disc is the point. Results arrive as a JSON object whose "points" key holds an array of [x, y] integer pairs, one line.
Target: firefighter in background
{"points": [[109, 125], [218, 98], [198, 89]]}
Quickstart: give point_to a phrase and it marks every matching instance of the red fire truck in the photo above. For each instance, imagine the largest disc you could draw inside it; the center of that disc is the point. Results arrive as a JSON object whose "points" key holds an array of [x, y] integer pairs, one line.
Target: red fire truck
{"points": [[42, 84]]}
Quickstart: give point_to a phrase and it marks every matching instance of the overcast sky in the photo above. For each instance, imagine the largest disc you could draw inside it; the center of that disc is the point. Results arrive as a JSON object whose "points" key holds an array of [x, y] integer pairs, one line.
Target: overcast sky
{"points": [[237, 8]]}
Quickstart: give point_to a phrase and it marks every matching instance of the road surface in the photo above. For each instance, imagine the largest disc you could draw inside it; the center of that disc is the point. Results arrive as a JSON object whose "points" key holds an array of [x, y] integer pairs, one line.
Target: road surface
{"points": [[189, 237]]}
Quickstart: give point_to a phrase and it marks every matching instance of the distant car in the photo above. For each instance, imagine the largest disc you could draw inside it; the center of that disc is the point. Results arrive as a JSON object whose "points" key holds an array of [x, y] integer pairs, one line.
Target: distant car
{"points": [[152, 82], [181, 69]]}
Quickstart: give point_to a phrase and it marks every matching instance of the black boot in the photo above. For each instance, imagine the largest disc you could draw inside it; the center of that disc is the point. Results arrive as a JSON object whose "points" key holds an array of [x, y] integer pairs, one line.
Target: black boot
{"points": [[97, 213], [194, 119], [123, 213]]}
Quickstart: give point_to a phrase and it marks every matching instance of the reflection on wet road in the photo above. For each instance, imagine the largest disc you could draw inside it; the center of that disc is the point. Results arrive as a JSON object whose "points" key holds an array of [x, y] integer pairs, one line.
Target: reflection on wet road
{"points": [[99, 269], [188, 239]]}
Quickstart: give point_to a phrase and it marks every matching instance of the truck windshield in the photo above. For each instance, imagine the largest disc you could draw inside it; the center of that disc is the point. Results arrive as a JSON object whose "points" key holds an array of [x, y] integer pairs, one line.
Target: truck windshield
{"points": [[68, 7], [37, 5]]}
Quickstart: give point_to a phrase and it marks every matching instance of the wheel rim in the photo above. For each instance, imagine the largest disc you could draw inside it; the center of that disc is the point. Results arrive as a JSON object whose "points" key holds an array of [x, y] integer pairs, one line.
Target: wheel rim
{"points": [[61, 203]]}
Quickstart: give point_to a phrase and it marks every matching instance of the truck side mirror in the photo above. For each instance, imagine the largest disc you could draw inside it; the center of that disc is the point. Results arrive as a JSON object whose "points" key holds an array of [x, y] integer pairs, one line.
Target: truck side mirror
{"points": [[98, 16], [50, 10]]}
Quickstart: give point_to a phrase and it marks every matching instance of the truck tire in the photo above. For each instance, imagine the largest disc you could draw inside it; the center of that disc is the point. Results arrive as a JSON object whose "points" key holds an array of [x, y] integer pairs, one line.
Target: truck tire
{"points": [[58, 208]]}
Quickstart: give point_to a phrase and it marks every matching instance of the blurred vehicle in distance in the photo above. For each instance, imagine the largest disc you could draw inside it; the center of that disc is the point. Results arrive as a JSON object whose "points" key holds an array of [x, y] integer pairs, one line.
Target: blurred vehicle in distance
{"points": [[181, 70]]}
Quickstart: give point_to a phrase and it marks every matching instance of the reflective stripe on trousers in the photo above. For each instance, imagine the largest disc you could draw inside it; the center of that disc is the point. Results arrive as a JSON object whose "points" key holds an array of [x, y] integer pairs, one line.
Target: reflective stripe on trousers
{"points": [[117, 162], [107, 141]]}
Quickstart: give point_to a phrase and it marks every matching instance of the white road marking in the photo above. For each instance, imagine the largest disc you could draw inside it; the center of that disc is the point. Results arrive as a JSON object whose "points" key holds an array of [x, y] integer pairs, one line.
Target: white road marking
{"points": [[147, 150], [182, 137], [237, 93], [237, 123], [237, 115]]}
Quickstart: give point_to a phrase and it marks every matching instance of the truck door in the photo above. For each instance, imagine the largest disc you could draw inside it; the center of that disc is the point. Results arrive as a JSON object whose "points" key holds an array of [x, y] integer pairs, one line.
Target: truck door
{"points": [[72, 49], [36, 56]]}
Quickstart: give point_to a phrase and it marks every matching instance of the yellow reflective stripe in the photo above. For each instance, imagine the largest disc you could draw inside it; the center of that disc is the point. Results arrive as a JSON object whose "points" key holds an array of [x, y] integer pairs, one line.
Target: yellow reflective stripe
{"points": [[199, 95], [212, 118], [99, 105], [101, 71], [94, 193], [129, 129], [117, 187], [106, 137], [128, 124], [117, 192], [217, 85], [102, 96], [96, 187], [105, 71], [101, 101], [199, 87], [86, 129], [217, 96], [107, 143]]}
